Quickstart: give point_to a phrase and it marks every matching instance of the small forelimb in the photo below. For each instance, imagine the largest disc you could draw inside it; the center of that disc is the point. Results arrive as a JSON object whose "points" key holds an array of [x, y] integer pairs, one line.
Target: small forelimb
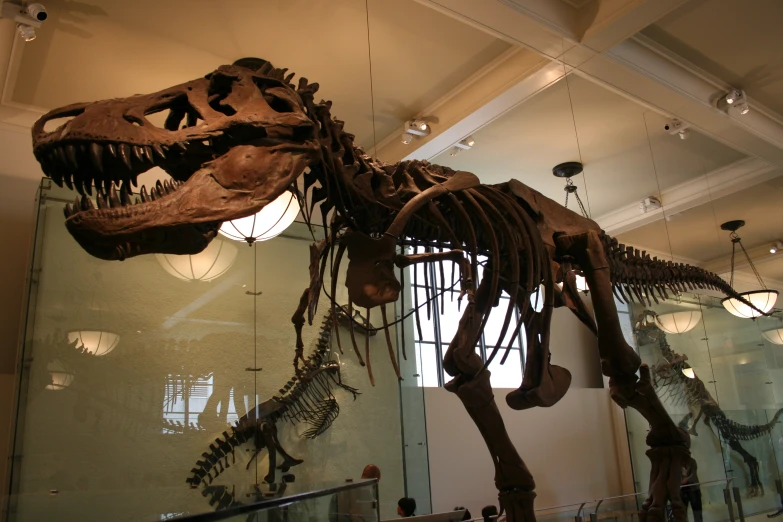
{"points": [[457, 256]]}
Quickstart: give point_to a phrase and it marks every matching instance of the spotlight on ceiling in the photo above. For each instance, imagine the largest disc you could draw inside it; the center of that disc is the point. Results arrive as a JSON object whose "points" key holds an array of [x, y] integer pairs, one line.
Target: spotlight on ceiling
{"points": [[26, 32], [413, 129], [735, 98], [27, 18], [461, 145], [777, 247], [677, 127]]}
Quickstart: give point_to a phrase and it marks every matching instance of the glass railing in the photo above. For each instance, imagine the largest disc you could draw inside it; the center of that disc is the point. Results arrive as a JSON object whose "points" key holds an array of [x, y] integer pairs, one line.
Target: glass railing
{"points": [[357, 502], [712, 501]]}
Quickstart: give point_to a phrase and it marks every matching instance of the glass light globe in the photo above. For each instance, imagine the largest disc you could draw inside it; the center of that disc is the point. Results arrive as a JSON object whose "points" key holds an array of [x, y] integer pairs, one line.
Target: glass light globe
{"points": [[60, 375], [678, 322], [269, 222], [774, 336], [764, 300], [211, 263], [689, 373], [93, 341]]}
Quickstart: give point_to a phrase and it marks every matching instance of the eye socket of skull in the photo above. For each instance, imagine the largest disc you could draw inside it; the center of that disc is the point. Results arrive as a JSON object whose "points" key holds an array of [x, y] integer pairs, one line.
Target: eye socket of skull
{"points": [[220, 86]]}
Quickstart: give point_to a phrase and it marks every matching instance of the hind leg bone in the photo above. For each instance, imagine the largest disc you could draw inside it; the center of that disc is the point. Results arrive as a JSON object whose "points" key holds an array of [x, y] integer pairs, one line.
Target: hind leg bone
{"points": [[669, 445]]}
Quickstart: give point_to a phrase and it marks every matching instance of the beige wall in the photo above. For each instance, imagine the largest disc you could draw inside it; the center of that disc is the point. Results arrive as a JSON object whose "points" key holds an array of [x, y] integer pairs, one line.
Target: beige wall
{"points": [[571, 449]]}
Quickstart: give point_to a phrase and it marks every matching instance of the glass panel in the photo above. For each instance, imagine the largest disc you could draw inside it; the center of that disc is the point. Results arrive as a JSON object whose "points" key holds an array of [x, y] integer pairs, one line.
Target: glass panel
{"points": [[429, 364]]}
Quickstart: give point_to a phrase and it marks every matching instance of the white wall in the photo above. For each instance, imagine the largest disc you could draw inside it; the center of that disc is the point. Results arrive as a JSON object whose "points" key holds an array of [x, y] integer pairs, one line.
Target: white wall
{"points": [[571, 449]]}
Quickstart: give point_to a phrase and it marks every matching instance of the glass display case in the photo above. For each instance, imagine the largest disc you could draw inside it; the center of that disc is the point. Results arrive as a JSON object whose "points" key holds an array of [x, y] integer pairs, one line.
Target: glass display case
{"points": [[135, 373], [715, 374]]}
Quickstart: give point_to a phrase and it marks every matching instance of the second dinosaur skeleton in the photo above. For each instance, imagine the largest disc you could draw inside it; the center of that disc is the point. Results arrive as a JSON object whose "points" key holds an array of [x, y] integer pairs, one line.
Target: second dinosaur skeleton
{"points": [[306, 398], [238, 138], [674, 387]]}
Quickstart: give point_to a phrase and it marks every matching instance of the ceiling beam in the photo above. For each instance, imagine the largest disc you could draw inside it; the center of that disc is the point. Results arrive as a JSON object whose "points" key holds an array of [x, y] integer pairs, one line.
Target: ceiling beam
{"points": [[721, 182], [635, 68], [507, 81]]}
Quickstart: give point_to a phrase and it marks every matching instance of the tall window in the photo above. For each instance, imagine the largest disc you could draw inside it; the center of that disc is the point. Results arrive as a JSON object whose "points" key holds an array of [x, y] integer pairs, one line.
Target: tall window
{"points": [[439, 329]]}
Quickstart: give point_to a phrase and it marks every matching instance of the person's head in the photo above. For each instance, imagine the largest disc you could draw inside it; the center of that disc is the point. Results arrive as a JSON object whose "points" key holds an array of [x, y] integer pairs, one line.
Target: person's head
{"points": [[467, 515], [489, 513], [406, 507], [371, 471]]}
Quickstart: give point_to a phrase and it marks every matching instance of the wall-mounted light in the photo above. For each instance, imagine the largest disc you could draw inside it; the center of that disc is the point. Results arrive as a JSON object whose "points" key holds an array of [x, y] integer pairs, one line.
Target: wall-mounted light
{"points": [[269, 222]]}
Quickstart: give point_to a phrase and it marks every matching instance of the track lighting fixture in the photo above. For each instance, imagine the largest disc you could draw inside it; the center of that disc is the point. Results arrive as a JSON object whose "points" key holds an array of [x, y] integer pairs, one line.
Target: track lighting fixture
{"points": [[777, 247], [27, 18], [734, 98], [413, 128], [26, 32], [461, 145]]}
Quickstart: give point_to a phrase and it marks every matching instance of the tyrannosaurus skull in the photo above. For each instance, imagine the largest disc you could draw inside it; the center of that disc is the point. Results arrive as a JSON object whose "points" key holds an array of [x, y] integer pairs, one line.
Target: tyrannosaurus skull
{"points": [[232, 142]]}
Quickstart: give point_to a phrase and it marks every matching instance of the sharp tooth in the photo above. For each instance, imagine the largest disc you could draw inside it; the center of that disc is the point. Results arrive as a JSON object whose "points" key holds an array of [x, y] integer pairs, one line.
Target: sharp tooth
{"points": [[88, 183], [136, 201], [152, 194], [159, 188], [101, 200], [70, 153], [96, 153], [125, 155], [139, 153], [143, 194], [107, 184], [159, 150], [67, 180], [133, 180], [87, 203], [124, 196], [167, 187], [67, 210], [147, 150], [181, 145], [112, 149], [113, 199], [60, 153]]}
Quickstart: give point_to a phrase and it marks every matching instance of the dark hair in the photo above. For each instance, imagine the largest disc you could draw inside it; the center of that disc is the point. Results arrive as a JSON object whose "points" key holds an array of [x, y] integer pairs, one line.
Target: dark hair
{"points": [[489, 513], [407, 505], [467, 515]]}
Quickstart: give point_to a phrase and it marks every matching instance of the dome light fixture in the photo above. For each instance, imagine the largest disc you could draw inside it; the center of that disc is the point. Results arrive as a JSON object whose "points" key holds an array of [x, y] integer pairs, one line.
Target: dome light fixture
{"points": [[678, 322], [61, 376], [267, 223], [689, 373], [94, 342], [762, 300], [774, 336], [209, 264]]}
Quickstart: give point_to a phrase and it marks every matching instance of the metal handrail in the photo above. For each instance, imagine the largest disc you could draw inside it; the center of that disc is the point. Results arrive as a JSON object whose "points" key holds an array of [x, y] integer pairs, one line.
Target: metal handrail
{"points": [[273, 502]]}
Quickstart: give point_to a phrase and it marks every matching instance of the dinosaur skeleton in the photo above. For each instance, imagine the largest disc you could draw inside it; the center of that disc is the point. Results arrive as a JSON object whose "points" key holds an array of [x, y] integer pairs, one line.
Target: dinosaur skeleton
{"points": [[306, 398], [244, 134], [674, 387]]}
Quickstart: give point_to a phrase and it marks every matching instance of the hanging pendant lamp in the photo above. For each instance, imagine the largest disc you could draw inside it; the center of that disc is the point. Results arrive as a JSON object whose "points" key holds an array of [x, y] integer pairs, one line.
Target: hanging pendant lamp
{"points": [[763, 299], [774, 336], [678, 322], [211, 263], [568, 170], [267, 223]]}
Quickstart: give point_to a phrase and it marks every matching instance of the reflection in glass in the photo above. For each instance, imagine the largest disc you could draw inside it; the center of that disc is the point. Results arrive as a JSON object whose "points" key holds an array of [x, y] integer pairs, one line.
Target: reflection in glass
{"points": [[269, 222], [95, 342], [211, 263], [60, 374], [678, 322]]}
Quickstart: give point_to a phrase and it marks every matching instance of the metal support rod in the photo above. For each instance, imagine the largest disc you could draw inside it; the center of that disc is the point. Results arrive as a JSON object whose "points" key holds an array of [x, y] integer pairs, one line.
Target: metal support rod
{"points": [[738, 500], [729, 505]]}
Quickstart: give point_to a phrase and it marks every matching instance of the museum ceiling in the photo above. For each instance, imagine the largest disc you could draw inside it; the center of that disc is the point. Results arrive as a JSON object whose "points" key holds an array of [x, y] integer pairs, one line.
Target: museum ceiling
{"points": [[420, 58]]}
